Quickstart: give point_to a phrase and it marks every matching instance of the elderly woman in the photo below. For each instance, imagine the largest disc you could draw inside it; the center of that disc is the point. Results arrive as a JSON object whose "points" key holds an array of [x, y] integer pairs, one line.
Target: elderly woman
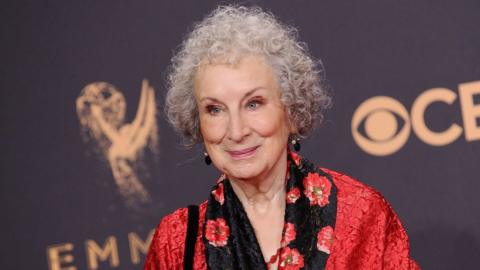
{"points": [[245, 87]]}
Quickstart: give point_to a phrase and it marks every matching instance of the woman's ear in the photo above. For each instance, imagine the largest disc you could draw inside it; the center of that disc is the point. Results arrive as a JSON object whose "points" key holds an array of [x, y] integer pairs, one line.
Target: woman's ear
{"points": [[292, 126]]}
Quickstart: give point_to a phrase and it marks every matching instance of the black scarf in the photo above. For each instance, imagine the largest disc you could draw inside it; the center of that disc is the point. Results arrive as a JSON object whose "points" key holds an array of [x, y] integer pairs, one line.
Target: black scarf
{"points": [[229, 238]]}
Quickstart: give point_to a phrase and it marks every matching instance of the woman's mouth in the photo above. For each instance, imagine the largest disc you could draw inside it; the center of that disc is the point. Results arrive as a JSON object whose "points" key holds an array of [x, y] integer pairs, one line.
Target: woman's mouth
{"points": [[243, 153]]}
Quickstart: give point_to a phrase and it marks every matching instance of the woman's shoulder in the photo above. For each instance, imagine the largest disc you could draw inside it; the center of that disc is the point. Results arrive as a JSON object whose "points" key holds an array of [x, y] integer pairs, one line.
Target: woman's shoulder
{"points": [[359, 205], [168, 243], [346, 181], [176, 221], [351, 190]]}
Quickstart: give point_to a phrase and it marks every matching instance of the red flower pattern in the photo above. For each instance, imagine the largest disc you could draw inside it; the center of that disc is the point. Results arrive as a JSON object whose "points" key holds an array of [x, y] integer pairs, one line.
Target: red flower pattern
{"points": [[293, 195], [217, 232], [325, 239], [290, 259], [289, 234], [295, 158], [221, 178], [218, 194], [317, 189]]}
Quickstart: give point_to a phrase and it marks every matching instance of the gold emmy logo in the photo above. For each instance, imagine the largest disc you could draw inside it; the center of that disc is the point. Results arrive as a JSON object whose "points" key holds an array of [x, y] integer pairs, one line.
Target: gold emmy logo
{"points": [[101, 111], [377, 115]]}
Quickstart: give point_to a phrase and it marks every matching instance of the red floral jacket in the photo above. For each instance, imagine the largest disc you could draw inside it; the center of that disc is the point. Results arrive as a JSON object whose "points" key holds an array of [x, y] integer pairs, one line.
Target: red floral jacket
{"points": [[368, 234]]}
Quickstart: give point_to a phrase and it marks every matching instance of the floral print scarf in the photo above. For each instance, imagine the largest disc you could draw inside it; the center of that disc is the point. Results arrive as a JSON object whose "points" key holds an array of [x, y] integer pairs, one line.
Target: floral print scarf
{"points": [[308, 233]]}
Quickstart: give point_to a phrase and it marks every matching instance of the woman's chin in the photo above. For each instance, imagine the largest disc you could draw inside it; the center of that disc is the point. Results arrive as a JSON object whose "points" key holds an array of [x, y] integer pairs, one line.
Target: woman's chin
{"points": [[242, 173], [240, 176]]}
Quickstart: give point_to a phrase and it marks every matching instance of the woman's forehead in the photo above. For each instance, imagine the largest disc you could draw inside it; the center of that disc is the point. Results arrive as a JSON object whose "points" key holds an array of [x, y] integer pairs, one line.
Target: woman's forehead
{"points": [[249, 73]]}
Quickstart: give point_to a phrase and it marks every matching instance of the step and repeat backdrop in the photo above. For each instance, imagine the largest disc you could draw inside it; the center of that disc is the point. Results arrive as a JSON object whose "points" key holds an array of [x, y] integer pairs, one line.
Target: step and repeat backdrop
{"points": [[90, 165]]}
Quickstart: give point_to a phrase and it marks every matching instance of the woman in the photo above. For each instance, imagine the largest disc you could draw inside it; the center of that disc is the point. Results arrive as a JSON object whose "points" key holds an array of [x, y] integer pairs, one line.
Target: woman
{"points": [[246, 88]]}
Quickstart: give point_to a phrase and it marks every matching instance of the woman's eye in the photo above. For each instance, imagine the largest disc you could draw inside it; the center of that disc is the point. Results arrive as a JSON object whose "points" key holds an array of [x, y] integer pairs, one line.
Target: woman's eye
{"points": [[212, 109], [252, 105]]}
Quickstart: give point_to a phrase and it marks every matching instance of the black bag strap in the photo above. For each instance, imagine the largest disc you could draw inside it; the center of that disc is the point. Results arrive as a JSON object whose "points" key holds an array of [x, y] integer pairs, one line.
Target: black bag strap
{"points": [[192, 230]]}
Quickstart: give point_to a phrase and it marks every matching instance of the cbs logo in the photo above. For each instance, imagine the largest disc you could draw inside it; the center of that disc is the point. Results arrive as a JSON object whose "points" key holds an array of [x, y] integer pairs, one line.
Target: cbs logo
{"points": [[380, 116]]}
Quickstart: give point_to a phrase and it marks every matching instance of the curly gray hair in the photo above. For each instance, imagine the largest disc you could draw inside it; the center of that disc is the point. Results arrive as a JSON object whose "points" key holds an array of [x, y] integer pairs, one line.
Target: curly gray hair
{"points": [[229, 33]]}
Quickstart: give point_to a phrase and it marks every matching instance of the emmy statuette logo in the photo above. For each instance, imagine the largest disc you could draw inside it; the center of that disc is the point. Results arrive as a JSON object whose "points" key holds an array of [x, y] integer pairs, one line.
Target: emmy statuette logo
{"points": [[101, 111]]}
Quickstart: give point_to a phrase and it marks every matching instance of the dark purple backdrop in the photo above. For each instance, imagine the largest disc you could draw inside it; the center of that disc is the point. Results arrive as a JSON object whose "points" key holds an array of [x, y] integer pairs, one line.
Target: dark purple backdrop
{"points": [[55, 189]]}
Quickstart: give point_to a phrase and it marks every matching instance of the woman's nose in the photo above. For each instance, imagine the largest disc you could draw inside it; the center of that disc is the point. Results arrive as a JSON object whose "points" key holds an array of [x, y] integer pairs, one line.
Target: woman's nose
{"points": [[238, 128]]}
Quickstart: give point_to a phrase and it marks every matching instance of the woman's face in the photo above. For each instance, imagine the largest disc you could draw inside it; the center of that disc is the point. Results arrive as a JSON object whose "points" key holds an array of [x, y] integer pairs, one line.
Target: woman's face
{"points": [[243, 122]]}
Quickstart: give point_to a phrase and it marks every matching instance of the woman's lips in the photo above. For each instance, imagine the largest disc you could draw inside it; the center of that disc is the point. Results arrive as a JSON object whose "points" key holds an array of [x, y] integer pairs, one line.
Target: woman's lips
{"points": [[244, 153]]}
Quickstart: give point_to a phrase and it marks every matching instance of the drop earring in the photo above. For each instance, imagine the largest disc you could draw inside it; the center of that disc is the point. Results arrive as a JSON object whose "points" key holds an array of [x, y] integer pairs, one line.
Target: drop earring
{"points": [[208, 160], [296, 144]]}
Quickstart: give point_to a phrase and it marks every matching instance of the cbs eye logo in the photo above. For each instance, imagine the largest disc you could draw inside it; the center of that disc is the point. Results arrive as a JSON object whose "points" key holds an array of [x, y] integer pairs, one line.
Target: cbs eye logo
{"points": [[382, 125]]}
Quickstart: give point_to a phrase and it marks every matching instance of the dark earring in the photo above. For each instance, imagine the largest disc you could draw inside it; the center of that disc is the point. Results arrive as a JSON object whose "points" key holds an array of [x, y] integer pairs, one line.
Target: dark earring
{"points": [[296, 145], [208, 160]]}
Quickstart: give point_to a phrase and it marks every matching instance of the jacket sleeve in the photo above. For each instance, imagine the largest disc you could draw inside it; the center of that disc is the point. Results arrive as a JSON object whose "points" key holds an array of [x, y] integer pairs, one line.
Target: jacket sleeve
{"points": [[167, 246], [368, 233], [383, 243], [396, 252]]}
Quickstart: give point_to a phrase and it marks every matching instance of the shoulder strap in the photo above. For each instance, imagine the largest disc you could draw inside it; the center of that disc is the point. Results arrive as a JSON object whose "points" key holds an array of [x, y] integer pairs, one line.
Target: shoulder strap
{"points": [[192, 230]]}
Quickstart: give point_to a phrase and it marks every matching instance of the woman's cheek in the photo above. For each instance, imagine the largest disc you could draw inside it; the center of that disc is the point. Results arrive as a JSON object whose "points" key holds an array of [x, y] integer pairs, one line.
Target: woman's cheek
{"points": [[266, 123], [213, 128]]}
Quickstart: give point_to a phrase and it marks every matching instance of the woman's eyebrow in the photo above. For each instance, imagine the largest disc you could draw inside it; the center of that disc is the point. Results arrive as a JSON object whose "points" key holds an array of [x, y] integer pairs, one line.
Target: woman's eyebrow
{"points": [[209, 98], [248, 94], [251, 92]]}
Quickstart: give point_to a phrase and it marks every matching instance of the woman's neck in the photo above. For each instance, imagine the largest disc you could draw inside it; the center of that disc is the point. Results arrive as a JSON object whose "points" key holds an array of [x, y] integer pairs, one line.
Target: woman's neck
{"points": [[264, 202], [265, 191]]}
